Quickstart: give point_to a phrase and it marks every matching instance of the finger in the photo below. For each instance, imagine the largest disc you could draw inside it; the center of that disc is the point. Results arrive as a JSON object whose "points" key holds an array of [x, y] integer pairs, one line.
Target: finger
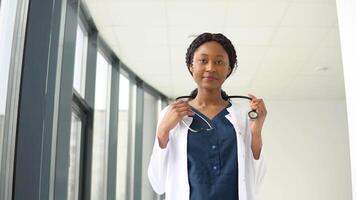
{"points": [[259, 102], [178, 102], [180, 105], [254, 107], [256, 102], [186, 113], [252, 96], [258, 105], [183, 108]]}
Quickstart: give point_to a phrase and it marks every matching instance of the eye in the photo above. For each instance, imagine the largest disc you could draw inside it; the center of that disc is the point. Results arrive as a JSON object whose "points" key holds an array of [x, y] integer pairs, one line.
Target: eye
{"points": [[202, 61], [220, 62]]}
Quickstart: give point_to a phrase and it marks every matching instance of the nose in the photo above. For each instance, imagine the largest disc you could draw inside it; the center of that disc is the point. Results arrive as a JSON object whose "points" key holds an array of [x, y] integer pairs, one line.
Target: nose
{"points": [[210, 67]]}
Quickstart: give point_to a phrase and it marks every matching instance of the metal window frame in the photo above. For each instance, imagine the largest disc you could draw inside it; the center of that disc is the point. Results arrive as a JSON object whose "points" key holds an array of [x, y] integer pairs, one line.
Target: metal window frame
{"points": [[82, 110], [46, 102], [90, 100], [43, 107]]}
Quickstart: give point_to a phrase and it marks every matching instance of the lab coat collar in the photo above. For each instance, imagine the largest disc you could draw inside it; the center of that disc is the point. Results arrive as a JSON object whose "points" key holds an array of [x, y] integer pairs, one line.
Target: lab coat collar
{"points": [[231, 116]]}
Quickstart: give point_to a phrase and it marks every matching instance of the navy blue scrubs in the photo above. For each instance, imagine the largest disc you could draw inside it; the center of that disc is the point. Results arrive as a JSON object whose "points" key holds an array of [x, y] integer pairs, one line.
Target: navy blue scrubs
{"points": [[212, 158]]}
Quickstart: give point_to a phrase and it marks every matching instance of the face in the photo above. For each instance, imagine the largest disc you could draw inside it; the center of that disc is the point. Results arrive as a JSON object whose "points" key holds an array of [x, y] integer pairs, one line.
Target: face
{"points": [[210, 65]]}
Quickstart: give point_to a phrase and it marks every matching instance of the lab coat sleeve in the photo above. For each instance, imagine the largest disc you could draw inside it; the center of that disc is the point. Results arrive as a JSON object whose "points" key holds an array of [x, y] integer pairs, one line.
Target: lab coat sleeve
{"points": [[157, 169], [258, 166]]}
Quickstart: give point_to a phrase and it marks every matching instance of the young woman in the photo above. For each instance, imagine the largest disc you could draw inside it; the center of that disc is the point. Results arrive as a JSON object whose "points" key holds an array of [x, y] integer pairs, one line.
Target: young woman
{"points": [[207, 147]]}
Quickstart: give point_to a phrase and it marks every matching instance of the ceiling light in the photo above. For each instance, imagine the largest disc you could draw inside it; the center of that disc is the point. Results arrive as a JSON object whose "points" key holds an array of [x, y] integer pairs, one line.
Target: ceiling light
{"points": [[322, 69]]}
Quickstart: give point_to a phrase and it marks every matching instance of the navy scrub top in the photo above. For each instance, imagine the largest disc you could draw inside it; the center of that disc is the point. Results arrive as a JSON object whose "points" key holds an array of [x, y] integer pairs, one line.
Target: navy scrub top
{"points": [[212, 158]]}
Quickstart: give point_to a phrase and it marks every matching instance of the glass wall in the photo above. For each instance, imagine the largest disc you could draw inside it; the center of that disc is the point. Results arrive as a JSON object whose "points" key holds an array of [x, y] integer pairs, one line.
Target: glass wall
{"points": [[123, 133], [80, 59], [7, 24], [131, 142], [101, 128], [81, 136], [74, 157], [150, 113]]}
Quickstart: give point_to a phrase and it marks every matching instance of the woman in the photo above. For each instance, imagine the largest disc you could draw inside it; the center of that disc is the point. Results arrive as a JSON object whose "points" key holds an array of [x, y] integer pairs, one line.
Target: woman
{"points": [[207, 147]]}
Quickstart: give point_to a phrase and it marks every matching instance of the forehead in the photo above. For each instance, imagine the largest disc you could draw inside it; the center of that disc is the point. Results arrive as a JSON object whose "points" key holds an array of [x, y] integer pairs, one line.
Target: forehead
{"points": [[211, 49]]}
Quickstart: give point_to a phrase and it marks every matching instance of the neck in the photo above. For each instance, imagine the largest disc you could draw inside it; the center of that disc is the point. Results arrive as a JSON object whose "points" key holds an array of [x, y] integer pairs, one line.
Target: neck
{"points": [[209, 97]]}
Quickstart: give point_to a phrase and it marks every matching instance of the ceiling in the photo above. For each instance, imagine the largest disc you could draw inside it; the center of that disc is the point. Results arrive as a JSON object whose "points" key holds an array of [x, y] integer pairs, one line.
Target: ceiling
{"points": [[286, 49]]}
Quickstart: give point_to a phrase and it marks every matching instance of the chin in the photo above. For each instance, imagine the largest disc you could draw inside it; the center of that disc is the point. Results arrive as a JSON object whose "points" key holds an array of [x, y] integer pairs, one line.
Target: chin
{"points": [[210, 86]]}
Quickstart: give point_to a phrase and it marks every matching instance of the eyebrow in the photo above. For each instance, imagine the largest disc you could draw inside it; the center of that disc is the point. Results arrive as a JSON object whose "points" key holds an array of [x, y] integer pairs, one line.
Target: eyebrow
{"points": [[203, 54]]}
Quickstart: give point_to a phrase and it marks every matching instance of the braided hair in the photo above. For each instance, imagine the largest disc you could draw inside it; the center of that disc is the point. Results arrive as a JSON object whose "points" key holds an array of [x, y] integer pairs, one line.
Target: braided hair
{"points": [[208, 37]]}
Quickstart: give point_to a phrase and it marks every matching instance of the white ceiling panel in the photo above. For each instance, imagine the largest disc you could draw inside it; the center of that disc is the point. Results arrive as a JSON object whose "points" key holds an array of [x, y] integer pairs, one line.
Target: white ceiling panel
{"points": [[286, 69], [177, 54], [199, 13], [286, 49], [184, 35], [310, 15], [250, 36], [299, 36], [288, 53], [255, 13], [138, 14], [332, 38], [142, 36]]}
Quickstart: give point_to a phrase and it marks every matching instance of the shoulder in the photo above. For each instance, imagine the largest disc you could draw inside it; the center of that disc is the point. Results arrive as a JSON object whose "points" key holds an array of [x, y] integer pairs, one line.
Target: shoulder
{"points": [[164, 110]]}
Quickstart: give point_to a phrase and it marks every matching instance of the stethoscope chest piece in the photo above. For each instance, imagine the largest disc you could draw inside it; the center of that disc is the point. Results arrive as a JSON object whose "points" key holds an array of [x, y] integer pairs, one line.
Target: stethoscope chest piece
{"points": [[253, 114]]}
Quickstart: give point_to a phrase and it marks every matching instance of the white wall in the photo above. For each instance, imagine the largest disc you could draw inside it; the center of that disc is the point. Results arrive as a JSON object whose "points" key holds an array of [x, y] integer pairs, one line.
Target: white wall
{"points": [[306, 145], [346, 16]]}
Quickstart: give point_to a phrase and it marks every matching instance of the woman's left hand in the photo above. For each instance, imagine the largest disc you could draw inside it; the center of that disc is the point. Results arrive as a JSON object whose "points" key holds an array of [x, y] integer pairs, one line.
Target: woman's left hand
{"points": [[259, 106]]}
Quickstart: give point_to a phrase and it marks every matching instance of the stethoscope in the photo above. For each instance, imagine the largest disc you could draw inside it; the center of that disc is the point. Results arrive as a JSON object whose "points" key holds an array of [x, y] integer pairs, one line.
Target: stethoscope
{"points": [[252, 114]]}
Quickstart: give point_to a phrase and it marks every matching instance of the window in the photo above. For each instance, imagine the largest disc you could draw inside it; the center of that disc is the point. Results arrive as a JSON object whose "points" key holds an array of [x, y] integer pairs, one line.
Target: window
{"points": [[131, 154], [74, 157], [7, 26], [123, 139], [101, 128], [80, 59], [148, 136]]}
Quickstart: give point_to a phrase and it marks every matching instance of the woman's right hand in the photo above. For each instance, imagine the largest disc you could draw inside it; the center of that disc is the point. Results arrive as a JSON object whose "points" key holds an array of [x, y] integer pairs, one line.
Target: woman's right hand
{"points": [[175, 113]]}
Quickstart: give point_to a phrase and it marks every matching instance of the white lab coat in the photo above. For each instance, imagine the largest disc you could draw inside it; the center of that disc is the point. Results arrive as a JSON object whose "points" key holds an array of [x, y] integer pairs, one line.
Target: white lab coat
{"points": [[168, 168]]}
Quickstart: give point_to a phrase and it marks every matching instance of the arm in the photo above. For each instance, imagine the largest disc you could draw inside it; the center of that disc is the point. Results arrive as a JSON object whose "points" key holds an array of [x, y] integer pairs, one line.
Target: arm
{"points": [[157, 168], [256, 145], [168, 119], [255, 126]]}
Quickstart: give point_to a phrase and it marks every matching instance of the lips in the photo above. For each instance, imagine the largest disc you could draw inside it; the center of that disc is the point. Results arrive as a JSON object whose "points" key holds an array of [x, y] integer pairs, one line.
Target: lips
{"points": [[210, 78]]}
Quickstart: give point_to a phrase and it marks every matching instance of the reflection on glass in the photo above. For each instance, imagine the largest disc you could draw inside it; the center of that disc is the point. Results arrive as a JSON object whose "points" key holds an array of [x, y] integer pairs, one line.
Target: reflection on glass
{"points": [[80, 60], [150, 113], [123, 132], [74, 158], [101, 129], [7, 23]]}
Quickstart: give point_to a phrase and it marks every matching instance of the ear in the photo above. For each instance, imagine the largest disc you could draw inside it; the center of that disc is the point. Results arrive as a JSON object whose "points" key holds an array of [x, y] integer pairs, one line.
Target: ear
{"points": [[229, 73], [191, 68]]}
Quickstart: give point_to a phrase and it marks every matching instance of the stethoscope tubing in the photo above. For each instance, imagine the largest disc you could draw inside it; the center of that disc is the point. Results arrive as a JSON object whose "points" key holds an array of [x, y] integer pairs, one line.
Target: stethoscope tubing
{"points": [[252, 114]]}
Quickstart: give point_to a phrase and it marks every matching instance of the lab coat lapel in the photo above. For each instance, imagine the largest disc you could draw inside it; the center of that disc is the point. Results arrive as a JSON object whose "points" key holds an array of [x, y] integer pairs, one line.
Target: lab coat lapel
{"points": [[232, 117]]}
